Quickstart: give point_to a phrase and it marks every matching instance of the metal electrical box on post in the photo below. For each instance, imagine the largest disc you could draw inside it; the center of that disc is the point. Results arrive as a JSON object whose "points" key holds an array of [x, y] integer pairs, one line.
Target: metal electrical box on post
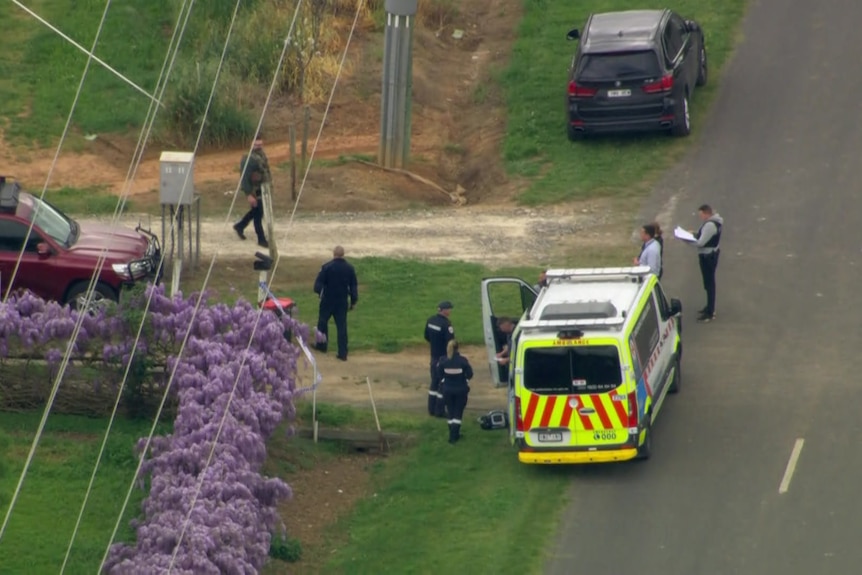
{"points": [[181, 205], [177, 171], [395, 102]]}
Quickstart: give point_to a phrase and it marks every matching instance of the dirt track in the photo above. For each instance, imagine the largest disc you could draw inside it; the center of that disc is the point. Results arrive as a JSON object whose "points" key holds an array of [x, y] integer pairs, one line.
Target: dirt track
{"points": [[513, 236], [398, 381]]}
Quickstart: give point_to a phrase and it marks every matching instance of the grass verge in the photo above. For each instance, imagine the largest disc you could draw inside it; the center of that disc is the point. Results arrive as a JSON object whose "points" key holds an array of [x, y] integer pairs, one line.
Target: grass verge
{"points": [[42, 70], [43, 519], [396, 296], [409, 288], [84, 202], [536, 146], [438, 508]]}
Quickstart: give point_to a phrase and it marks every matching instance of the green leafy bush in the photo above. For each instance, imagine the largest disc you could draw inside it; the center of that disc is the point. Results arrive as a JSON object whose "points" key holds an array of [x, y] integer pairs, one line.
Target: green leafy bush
{"points": [[285, 549], [186, 103]]}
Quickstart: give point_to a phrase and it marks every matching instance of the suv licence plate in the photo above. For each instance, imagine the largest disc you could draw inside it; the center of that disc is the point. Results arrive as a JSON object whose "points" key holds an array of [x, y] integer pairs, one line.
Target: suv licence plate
{"points": [[619, 93], [550, 437]]}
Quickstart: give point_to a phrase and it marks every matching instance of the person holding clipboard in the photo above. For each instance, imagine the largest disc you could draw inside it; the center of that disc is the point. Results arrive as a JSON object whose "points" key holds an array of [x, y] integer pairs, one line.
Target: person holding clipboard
{"points": [[706, 240]]}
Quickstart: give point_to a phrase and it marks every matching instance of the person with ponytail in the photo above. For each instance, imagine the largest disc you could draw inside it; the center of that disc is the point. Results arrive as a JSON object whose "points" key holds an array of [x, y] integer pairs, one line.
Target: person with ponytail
{"points": [[455, 373]]}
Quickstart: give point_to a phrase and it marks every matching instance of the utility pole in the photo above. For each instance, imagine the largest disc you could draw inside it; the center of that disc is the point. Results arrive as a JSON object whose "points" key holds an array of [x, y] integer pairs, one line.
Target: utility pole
{"points": [[269, 218], [395, 102]]}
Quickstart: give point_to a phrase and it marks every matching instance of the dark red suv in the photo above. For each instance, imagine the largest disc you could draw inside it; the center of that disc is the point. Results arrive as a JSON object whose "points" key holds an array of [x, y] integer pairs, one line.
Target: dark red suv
{"points": [[60, 255]]}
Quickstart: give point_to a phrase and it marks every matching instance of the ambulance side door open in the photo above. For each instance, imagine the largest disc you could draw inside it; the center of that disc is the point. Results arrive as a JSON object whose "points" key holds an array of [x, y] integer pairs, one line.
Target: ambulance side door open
{"points": [[502, 297]]}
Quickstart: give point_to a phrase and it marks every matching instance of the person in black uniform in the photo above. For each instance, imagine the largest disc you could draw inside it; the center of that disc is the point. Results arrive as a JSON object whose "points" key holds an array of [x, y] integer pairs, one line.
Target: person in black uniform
{"points": [[438, 333], [455, 374], [335, 283]]}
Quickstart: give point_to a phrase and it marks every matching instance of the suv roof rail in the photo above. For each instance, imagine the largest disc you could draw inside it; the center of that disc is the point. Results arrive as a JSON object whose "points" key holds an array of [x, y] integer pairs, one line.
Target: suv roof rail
{"points": [[605, 322], [570, 275]]}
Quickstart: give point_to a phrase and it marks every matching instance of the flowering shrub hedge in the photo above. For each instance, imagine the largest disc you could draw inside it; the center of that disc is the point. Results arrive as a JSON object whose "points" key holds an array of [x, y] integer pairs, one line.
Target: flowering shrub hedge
{"points": [[33, 340], [229, 529]]}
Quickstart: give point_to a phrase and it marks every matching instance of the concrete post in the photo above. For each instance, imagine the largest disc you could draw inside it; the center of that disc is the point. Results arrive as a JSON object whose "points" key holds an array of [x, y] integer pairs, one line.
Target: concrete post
{"points": [[395, 100]]}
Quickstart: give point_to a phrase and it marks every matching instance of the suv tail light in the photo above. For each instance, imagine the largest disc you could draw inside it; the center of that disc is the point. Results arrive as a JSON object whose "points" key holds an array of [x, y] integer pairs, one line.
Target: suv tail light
{"points": [[576, 91], [660, 86]]}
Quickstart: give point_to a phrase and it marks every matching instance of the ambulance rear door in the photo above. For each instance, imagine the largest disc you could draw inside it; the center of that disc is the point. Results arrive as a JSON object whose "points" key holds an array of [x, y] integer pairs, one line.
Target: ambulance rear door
{"points": [[589, 380], [502, 297]]}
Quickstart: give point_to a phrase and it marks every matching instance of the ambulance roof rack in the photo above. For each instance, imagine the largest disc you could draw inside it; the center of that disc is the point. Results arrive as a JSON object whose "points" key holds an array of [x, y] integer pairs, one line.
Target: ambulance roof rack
{"points": [[578, 310], [610, 323], [568, 275]]}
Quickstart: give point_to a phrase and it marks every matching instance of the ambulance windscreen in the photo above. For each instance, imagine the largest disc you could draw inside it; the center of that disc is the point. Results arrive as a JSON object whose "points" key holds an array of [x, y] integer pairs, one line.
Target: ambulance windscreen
{"points": [[572, 370]]}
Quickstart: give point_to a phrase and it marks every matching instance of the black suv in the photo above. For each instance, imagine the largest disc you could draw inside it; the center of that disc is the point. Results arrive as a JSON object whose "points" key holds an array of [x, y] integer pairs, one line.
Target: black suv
{"points": [[635, 71]]}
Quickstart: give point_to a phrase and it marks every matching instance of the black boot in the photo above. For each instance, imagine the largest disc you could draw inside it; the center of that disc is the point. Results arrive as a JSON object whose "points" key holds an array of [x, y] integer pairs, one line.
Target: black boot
{"points": [[432, 404], [457, 427], [453, 433]]}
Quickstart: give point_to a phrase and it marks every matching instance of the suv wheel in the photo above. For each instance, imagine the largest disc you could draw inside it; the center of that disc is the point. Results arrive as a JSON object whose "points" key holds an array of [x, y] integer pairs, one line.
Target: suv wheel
{"points": [[574, 135], [102, 294], [702, 69], [682, 121]]}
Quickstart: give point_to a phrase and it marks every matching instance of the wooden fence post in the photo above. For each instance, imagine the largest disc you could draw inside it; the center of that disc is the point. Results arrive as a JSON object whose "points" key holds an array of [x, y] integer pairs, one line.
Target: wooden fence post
{"points": [[306, 118], [292, 162]]}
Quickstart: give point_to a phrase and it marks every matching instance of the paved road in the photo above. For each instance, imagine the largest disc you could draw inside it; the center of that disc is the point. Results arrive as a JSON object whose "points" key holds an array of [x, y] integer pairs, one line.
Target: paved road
{"points": [[779, 158]]}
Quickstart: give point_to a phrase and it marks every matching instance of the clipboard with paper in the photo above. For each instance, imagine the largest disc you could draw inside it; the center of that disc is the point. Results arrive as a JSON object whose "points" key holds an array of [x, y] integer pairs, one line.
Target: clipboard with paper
{"points": [[683, 235]]}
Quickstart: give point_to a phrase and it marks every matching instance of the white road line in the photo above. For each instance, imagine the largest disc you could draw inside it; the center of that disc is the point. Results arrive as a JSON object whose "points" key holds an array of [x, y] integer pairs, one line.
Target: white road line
{"points": [[791, 466]]}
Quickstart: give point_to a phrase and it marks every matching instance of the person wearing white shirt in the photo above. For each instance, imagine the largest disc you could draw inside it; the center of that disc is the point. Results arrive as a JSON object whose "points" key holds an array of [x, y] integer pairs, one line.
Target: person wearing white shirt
{"points": [[651, 251]]}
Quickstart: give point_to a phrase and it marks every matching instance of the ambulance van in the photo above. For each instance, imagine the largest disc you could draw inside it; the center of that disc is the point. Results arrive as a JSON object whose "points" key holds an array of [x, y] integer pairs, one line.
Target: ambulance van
{"points": [[593, 356]]}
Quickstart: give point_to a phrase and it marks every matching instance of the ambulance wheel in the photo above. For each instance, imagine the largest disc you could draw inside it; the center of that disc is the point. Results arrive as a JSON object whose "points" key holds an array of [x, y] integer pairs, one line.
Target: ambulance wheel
{"points": [[645, 450], [676, 383]]}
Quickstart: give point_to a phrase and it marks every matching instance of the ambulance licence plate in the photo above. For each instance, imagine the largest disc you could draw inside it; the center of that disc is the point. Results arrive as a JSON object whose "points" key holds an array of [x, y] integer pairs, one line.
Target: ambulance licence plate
{"points": [[550, 437]]}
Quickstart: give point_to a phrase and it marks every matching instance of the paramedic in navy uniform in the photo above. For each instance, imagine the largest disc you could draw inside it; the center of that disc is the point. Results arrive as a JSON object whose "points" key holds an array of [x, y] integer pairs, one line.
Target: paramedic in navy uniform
{"points": [[438, 332], [455, 375]]}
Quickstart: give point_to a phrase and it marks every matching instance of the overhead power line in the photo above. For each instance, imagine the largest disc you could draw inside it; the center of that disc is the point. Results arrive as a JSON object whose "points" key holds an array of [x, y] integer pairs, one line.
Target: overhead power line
{"points": [[202, 473], [161, 85], [77, 328]]}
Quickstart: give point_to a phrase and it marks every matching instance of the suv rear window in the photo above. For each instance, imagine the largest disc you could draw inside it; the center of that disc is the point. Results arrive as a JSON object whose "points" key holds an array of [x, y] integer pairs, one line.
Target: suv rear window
{"points": [[570, 370], [618, 66]]}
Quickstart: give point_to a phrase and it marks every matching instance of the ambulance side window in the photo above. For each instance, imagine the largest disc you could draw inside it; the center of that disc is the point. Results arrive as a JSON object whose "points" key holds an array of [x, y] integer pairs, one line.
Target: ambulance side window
{"points": [[646, 331]]}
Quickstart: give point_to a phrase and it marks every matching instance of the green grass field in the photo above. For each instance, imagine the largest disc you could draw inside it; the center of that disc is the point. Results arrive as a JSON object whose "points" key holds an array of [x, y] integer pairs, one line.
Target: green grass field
{"points": [[440, 508], [477, 487], [536, 146], [42, 521], [40, 72], [396, 296]]}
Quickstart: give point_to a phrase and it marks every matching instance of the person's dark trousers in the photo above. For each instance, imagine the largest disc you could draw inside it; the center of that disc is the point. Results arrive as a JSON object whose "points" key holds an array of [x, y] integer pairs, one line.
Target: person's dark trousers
{"points": [[255, 215], [436, 405], [455, 404], [708, 265], [338, 311]]}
